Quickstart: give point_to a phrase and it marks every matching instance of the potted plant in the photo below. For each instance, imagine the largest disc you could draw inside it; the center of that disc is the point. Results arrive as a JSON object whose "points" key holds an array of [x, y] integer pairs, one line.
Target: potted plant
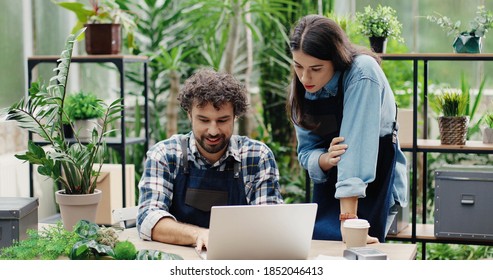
{"points": [[105, 21], [453, 122], [378, 25], [466, 41], [84, 108], [488, 130], [72, 165]]}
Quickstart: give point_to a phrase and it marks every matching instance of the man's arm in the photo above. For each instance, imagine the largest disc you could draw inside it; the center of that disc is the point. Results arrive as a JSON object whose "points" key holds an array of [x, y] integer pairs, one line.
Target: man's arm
{"points": [[168, 230]]}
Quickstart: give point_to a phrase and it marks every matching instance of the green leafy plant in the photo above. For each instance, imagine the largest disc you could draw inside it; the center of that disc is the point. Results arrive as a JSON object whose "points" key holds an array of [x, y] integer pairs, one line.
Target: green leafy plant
{"points": [[379, 22], [95, 242], [102, 11], [101, 243], [87, 241], [125, 250], [44, 113], [49, 244], [478, 27], [84, 105], [450, 103]]}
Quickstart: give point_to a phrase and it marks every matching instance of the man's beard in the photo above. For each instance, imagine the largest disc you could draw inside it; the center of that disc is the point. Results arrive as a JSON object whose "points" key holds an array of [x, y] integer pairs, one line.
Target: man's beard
{"points": [[212, 149]]}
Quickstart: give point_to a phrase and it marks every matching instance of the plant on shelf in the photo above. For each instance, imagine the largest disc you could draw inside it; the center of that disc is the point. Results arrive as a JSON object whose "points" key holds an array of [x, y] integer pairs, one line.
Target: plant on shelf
{"points": [[105, 20], [379, 24], [469, 40], [84, 108], [43, 113], [451, 105]]}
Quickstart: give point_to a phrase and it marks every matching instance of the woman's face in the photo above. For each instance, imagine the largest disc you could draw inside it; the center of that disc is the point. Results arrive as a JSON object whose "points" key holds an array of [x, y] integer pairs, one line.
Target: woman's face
{"points": [[313, 73]]}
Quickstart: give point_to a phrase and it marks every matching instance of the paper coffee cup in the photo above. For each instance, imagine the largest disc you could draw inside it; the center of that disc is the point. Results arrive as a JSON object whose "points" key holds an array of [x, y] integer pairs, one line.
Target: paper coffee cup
{"points": [[355, 232]]}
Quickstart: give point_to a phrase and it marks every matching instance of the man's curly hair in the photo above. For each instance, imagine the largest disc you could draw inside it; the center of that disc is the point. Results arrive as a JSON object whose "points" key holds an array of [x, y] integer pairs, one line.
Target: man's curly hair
{"points": [[208, 86]]}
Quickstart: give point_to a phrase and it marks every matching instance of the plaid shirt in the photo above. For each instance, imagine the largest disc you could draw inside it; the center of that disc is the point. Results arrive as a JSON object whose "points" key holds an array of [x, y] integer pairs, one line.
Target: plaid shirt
{"points": [[258, 167]]}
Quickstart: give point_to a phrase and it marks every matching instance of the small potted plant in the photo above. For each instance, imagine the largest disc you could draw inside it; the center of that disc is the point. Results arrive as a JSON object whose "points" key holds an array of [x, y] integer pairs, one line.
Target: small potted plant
{"points": [[379, 24], [451, 105], [72, 165], [488, 130], [105, 21], [469, 40], [84, 108]]}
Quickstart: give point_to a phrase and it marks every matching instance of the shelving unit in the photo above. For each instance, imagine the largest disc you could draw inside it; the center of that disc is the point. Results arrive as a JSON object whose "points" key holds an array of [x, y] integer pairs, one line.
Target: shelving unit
{"points": [[117, 143], [424, 232]]}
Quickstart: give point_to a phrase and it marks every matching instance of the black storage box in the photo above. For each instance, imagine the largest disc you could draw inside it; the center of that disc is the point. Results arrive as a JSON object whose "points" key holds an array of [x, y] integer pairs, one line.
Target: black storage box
{"points": [[17, 215], [464, 202]]}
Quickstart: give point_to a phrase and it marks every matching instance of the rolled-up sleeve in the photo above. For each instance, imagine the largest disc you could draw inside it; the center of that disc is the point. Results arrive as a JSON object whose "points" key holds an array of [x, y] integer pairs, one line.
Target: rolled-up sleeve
{"points": [[361, 131], [155, 191]]}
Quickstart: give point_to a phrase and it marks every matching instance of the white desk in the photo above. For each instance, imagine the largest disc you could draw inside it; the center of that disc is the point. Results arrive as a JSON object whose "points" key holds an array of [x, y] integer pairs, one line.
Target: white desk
{"points": [[394, 251]]}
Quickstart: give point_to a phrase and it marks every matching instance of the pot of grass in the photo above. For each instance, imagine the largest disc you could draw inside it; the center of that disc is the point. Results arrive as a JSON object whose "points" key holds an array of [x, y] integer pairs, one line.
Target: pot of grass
{"points": [[453, 121]]}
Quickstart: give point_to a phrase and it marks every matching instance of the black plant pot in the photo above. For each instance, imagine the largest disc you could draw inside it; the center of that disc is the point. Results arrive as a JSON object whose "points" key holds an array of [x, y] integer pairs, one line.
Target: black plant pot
{"points": [[68, 131], [378, 44]]}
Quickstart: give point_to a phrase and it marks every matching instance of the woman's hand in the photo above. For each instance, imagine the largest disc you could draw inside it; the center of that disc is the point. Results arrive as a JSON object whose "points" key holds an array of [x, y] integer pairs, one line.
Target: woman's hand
{"points": [[333, 154], [370, 240]]}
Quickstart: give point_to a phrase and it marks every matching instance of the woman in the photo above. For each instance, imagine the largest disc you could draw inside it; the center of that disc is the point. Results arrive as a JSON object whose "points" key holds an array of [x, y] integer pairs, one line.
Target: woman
{"points": [[344, 114]]}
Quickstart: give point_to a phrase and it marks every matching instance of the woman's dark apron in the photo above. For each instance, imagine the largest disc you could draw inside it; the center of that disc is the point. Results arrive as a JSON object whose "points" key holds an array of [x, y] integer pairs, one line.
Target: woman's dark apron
{"points": [[328, 114], [195, 191]]}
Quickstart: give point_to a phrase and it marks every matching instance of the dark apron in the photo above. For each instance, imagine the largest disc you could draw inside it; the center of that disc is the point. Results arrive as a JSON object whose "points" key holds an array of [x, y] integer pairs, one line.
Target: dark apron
{"points": [[326, 114], [195, 191]]}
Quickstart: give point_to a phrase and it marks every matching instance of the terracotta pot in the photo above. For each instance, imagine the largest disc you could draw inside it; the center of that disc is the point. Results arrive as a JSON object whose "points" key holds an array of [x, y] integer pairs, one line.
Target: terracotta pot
{"points": [[378, 44], [75, 207], [103, 38]]}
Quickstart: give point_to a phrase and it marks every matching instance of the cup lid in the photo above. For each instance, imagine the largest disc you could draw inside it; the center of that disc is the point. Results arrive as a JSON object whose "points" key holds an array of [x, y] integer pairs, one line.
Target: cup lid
{"points": [[356, 223]]}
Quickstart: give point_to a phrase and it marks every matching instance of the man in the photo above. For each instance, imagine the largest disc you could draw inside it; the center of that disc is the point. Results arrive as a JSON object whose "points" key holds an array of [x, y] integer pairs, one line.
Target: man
{"points": [[186, 175]]}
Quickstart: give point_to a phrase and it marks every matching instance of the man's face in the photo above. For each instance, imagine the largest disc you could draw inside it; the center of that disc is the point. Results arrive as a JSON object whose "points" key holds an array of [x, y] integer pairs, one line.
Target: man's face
{"points": [[212, 129]]}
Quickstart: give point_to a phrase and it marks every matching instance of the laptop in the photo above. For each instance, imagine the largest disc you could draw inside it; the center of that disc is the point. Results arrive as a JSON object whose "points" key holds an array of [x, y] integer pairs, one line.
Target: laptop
{"points": [[261, 232]]}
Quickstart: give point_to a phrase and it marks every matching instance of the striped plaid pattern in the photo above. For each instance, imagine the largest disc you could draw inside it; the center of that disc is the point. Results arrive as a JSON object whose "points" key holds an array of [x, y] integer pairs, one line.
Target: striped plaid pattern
{"points": [[258, 167]]}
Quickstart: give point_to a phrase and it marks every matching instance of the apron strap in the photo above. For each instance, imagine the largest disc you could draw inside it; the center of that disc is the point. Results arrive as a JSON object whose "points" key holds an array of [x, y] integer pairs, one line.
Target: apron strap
{"points": [[184, 150], [395, 127]]}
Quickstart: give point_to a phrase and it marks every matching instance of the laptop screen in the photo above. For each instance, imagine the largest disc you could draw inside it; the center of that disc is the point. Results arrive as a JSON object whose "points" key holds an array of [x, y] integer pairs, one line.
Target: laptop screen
{"points": [[280, 231]]}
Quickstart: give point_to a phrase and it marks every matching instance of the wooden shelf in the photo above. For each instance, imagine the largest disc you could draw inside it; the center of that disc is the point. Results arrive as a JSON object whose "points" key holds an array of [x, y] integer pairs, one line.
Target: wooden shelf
{"points": [[426, 233], [430, 145], [417, 127]]}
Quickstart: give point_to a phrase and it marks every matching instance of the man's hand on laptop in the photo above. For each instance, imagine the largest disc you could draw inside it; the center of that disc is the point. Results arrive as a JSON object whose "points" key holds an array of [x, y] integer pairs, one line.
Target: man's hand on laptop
{"points": [[202, 239]]}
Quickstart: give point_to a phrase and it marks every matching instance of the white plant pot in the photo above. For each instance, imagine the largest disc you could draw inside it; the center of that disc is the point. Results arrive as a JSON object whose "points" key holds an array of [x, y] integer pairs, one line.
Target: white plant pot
{"points": [[83, 128], [488, 135]]}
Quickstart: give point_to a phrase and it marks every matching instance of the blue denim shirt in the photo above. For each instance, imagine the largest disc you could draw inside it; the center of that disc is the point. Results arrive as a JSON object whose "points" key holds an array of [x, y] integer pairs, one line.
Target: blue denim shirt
{"points": [[369, 112]]}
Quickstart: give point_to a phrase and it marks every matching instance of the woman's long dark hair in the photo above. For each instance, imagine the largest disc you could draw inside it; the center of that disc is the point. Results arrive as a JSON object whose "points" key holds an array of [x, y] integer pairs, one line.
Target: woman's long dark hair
{"points": [[322, 38]]}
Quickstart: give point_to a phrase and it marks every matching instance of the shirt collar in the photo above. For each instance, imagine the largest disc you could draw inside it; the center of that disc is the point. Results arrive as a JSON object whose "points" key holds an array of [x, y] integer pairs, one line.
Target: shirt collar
{"points": [[331, 87]]}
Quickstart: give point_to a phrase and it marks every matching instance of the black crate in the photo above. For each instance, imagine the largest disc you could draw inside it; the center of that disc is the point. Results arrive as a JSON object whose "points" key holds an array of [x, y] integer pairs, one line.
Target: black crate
{"points": [[17, 215]]}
